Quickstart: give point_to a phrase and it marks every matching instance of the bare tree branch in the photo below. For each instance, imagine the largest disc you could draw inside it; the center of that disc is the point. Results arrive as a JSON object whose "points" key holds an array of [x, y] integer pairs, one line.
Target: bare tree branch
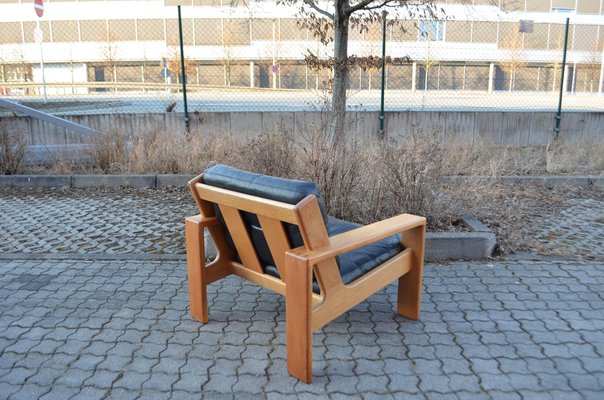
{"points": [[382, 4], [314, 6], [361, 5]]}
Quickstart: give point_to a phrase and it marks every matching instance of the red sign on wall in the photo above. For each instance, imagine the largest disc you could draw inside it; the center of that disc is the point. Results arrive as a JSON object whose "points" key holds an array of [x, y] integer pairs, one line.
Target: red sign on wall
{"points": [[39, 7]]}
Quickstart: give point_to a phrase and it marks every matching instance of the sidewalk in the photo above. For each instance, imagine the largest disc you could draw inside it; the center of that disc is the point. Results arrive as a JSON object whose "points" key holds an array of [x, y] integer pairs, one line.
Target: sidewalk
{"points": [[121, 329], [150, 221], [94, 304]]}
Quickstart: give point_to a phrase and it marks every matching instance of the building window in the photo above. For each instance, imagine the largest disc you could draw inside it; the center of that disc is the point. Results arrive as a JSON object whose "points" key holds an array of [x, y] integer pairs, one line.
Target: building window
{"points": [[431, 30], [561, 10]]}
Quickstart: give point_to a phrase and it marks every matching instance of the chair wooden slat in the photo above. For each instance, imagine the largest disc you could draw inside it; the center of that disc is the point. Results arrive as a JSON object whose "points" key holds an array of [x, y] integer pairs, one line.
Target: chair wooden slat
{"points": [[275, 236], [241, 237], [314, 233], [245, 202]]}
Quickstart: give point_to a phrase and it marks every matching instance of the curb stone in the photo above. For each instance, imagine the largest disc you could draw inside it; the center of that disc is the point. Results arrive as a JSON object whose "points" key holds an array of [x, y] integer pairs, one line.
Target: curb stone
{"points": [[557, 180], [36, 181], [134, 181], [166, 180]]}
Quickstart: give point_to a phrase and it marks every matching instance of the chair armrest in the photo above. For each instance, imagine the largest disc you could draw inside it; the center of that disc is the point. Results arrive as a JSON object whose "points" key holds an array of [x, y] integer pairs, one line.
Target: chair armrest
{"points": [[202, 221], [359, 237]]}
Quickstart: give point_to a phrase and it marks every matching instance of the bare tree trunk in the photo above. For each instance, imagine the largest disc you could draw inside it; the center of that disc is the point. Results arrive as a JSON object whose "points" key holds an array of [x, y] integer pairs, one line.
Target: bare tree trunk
{"points": [[340, 79]]}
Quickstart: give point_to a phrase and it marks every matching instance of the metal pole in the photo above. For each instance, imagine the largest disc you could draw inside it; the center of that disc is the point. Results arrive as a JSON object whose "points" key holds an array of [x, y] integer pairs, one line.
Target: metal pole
{"points": [[383, 72], [183, 73], [42, 66], [601, 84], [558, 114]]}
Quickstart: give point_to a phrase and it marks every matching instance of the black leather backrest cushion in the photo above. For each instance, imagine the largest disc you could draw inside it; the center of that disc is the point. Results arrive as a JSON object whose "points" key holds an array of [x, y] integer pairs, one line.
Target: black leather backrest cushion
{"points": [[269, 187]]}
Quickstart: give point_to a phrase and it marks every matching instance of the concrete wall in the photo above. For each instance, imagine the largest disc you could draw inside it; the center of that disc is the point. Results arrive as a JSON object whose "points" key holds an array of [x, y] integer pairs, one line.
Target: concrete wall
{"points": [[508, 128]]}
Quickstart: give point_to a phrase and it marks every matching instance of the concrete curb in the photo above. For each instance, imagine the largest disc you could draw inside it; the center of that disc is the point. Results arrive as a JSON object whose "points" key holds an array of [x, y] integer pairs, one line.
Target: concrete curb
{"points": [[166, 180], [477, 244], [557, 180], [91, 181]]}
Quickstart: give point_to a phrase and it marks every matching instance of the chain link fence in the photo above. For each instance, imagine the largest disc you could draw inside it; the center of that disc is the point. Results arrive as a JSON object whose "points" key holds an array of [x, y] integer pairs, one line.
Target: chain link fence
{"points": [[123, 57]]}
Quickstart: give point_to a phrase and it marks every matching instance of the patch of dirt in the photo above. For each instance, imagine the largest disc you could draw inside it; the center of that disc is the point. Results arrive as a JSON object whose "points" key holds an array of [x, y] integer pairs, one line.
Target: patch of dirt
{"points": [[513, 210]]}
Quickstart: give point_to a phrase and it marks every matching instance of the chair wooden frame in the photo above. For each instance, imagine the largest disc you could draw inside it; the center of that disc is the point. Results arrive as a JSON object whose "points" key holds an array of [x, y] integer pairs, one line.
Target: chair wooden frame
{"points": [[306, 311]]}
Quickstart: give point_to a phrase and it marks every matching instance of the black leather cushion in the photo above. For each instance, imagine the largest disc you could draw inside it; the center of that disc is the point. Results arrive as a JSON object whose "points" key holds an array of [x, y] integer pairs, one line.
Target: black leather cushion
{"points": [[352, 265], [279, 189], [356, 263], [268, 187]]}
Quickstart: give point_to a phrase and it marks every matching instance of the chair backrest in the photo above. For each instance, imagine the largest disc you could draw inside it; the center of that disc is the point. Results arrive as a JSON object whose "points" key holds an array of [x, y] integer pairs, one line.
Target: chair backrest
{"points": [[259, 214]]}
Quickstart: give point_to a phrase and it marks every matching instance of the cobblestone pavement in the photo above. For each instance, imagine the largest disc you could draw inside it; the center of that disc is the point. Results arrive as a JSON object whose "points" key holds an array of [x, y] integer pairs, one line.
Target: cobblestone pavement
{"points": [[88, 222], [576, 230], [150, 221], [509, 330]]}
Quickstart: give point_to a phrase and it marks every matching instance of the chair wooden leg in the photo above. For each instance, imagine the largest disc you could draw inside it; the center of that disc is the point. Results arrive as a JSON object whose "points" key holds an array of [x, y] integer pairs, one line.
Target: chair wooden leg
{"points": [[198, 296], [410, 284], [298, 294]]}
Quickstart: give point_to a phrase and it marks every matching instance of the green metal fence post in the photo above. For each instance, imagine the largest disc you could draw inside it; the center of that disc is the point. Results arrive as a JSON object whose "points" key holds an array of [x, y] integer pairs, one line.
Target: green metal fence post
{"points": [[559, 113], [183, 72], [383, 72]]}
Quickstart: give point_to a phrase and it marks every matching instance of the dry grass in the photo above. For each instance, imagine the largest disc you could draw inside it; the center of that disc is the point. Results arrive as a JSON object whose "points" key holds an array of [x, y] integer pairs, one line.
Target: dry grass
{"points": [[12, 149], [514, 211], [580, 156]]}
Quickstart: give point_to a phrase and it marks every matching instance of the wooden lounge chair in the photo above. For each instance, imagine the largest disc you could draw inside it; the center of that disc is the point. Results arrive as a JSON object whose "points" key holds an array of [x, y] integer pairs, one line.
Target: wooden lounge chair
{"points": [[275, 233]]}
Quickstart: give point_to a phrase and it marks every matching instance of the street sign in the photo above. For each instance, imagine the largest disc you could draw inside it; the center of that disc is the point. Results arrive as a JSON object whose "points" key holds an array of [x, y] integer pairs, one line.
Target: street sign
{"points": [[165, 73], [525, 26], [177, 2], [39, 7], [275, 69], [38, 35]]}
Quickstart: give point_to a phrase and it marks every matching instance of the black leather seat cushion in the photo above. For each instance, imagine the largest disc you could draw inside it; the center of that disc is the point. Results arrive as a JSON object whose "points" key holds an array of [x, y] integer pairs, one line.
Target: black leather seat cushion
{"points": [[268, 187], [279, 189], [352, 265], [357, 263]]}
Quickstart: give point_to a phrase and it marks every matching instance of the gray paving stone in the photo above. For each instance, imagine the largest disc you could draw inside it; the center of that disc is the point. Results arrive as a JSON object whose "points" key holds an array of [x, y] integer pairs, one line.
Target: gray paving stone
{"points": [[17, 375], [248, 383], [26, 392], [159, 381], [91, 393], [31, 361], [370, 383], [130, 380], [120, 393], [343, 384], [60, 392], [220, 383], [73, 378]]}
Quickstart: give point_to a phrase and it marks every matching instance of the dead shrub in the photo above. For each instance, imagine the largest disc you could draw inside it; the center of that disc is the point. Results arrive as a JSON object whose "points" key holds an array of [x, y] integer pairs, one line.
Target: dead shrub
{"points": [[579, 156], [109, 151], [12, 149], [174, 152], [272, 153], [157, 151], [412, 176], [595, 157], [337, 167]]}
